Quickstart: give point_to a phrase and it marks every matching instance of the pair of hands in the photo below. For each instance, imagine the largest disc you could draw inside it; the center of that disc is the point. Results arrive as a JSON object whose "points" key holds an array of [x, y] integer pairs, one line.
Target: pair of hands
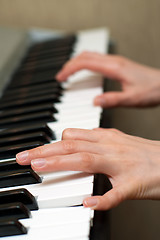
{"points": [[131, 163]]}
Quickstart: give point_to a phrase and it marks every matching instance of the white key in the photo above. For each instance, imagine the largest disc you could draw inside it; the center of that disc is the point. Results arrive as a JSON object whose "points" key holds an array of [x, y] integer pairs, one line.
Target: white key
{"points": [[57, 216], [60, 223], [55, 223], [68, 189]]}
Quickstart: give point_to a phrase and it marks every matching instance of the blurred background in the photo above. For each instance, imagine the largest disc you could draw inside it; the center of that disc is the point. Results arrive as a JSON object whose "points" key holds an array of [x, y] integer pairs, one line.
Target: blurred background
{"points": [[134, 26]]}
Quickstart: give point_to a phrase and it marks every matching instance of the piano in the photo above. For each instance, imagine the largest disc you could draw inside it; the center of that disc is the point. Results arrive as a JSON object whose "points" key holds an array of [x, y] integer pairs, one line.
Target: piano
{"points": [[34, 110]]}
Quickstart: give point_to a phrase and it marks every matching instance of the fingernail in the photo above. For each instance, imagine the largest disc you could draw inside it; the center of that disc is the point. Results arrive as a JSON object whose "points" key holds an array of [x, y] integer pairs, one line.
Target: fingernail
{"points": [[22, 156], [90, 202], [38, 162], [99, 101]]}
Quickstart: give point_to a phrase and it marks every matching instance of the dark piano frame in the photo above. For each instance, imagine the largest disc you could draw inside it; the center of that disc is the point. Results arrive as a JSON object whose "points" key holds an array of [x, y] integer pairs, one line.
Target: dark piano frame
{"points": [[100, 228]]}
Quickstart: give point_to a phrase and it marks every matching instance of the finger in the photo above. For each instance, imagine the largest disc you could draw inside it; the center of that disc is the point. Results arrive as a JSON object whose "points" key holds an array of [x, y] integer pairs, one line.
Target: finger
{"points": [[86, 162], [96, 135], [58, 148], [87, 60], [109, 200], [108, 65], [113, 99], [80, 134]]}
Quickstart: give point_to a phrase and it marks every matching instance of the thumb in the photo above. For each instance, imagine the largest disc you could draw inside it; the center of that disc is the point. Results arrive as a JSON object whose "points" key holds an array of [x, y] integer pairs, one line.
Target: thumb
{"points": [[111, 99], [109, 200]]}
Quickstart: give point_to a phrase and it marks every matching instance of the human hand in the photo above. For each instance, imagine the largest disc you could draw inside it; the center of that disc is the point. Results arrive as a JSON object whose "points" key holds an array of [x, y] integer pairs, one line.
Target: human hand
{"points": [[140, 84], [132, 164]]}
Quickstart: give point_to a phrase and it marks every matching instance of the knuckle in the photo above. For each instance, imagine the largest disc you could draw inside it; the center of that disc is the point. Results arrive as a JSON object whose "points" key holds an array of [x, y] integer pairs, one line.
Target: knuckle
{"points": [[103, 134], [120, 62], [119, 196], [68, 63], [116, 100], [56, 160], [84, 54], [120, 149], [69, 145], [112, 200], [123, 149], [87, 160], [120, 59], [66, 133], [112, 132], [39, 151], [115, 130]]}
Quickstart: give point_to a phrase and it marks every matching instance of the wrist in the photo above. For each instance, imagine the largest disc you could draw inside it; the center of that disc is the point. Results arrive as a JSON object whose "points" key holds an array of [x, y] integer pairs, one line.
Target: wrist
{"points": [[153, 182]]}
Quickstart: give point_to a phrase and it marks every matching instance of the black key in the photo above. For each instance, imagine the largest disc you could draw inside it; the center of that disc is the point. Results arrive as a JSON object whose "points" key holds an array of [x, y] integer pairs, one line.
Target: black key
{"points": [[27, 102], [43, 61], [11, 150], [34, 82], [45, 52], [11, 227], [41, 117], [19, 195], [29, 94], [16, 210], [44, 76], [23, 86], [54, 43], [47, 47], [57, 66], [44, 66], [66, 51], [28, 129], [12, 166], [27, 110], [18, 178], [46, 58], [27, 137]]}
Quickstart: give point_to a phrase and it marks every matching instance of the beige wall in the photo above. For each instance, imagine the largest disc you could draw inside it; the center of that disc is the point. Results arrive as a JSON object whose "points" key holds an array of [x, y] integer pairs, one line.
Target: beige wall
{"points": [[134, 24]]}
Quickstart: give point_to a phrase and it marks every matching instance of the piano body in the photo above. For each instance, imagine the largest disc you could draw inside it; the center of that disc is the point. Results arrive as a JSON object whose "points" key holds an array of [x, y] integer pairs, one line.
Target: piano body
{"points": [[34, 110]]}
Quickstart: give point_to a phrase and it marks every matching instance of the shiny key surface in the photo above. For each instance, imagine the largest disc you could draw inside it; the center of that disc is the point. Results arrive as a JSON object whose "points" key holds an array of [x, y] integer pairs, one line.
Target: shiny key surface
{"points": [[59, 188]]}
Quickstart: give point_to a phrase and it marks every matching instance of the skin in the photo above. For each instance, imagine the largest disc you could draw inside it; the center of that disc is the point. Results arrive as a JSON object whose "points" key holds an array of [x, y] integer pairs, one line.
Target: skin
{"points": [[131, 163], [140, 84]]}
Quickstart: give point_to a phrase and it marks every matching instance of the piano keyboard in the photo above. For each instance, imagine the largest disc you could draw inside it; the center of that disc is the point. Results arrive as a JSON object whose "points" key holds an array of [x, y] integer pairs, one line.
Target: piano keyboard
{"points": [[34, 110]]}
